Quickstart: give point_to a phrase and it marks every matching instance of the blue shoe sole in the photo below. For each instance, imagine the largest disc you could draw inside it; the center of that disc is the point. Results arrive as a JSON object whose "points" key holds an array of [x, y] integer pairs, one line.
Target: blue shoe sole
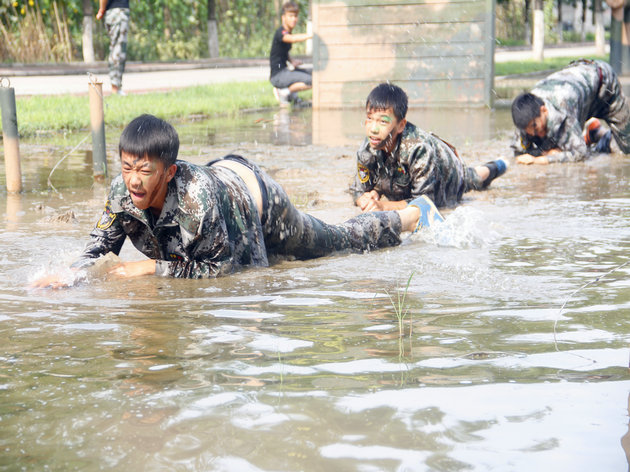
{"points": [[429, 214]]}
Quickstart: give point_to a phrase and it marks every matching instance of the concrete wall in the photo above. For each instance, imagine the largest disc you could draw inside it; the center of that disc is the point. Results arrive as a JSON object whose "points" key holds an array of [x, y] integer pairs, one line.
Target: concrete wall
{"points": [[440, 51]]}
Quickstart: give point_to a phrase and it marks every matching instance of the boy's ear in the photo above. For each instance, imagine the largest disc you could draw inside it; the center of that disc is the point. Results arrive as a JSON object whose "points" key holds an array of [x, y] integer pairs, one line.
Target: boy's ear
{"points": [[401, 126], [170, 172], [543, 110]]}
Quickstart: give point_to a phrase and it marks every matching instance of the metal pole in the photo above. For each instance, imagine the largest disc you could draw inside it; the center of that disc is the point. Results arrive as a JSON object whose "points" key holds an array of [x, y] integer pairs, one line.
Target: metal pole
{"points": [[10, 137], [97, 121]]}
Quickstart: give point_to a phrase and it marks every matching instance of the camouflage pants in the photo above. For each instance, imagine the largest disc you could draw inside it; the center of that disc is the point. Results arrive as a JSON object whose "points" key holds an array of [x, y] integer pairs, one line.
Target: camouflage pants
{"points": [[117, 24], [290, 232], [449, 183], [616, 110]]}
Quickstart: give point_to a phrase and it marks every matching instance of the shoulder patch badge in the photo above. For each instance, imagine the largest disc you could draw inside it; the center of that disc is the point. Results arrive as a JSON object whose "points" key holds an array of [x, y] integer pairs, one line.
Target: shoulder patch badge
{"points": [[364, 173], [107, 218]]}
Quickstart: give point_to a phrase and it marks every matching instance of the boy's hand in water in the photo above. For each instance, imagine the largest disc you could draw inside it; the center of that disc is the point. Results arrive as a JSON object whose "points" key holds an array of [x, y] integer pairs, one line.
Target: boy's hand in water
{"points": [[529, 159], [525, 159], [134, 269], [367, 199], [54, 281]]}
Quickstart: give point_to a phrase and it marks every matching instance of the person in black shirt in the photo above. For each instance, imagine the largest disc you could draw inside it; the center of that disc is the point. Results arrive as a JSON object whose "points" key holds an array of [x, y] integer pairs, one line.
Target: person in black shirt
{"points": [[287, 81]]}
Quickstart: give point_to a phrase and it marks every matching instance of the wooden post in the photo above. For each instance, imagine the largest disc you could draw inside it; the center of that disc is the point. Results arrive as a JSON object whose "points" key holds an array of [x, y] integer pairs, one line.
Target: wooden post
{"points": [[10, 137], [619, 38], [97, 122]]}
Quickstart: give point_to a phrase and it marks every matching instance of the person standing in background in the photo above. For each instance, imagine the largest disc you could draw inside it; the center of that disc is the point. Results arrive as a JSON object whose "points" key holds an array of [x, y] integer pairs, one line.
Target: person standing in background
{"points": [[116, 13]]}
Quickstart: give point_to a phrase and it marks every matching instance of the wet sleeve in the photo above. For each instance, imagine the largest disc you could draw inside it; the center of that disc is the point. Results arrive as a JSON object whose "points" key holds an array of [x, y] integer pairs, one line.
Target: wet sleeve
{"points": [[571, 144], [366, 172], [107, 236], [210, 253], [521, 144]]}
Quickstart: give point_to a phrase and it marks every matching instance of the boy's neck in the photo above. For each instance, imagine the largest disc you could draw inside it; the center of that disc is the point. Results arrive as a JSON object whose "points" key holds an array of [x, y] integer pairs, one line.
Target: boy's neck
{"points": [[394, 144]]}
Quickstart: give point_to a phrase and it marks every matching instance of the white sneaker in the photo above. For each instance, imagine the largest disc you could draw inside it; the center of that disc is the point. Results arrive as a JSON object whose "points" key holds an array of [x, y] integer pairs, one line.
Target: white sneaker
{"points": [[282, 95]]}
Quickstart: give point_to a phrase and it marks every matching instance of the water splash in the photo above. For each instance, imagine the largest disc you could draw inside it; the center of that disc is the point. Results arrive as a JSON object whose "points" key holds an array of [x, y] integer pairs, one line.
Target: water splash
{"points": [[464, 228]]}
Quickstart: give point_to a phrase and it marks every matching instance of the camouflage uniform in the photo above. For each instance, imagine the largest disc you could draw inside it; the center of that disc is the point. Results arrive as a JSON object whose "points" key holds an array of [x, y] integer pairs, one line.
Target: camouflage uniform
{"points": [[421, 164], [210, 225], [117, 24], [583, 90]]}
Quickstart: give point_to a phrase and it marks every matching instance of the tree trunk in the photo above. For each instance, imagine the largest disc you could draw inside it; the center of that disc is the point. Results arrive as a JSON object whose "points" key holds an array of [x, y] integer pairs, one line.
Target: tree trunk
{"points": [[87, 38], [560, 27], [600, 34], [528, 32], [538, 41], [584, 8], [213, 32], [167, 22]]}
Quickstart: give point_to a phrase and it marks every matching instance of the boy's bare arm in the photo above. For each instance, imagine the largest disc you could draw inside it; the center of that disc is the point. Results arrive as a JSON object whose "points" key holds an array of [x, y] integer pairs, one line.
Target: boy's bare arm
{"points": [[296, 38], [134, 269], [529, 159], [385, 205], [102, 4]]}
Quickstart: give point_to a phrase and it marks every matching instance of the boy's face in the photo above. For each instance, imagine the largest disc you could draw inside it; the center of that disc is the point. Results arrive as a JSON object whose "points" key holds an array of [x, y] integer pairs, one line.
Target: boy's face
{"points": [[146, 180], [382, 128], [289, 20], [538, 126]]}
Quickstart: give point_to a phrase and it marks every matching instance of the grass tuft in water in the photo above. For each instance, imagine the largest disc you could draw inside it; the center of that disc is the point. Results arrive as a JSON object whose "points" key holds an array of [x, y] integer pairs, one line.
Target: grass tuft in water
{"points": [[401, 310]]}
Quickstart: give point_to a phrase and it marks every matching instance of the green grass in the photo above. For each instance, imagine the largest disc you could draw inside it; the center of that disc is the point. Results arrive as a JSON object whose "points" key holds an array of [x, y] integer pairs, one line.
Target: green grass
{"points": [[53, 113], [527, 66], [38, 114]]}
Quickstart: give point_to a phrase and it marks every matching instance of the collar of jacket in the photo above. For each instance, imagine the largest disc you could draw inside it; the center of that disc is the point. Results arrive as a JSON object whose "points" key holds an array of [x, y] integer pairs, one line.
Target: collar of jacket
{"points": [[172, 212]]}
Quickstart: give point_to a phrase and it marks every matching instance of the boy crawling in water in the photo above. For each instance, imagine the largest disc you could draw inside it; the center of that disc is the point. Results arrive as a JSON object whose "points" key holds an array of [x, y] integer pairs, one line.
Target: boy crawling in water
{"points": [[401, 162], [204, 221]]}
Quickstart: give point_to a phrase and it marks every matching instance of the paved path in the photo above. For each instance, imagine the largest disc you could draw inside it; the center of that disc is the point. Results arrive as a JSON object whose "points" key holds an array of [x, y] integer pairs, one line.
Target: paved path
{"points": [[73, 78], [135, 82]]}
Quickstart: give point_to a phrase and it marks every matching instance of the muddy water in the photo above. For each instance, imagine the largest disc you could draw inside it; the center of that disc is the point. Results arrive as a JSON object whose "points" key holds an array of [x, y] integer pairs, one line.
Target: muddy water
{"points": [[302, 365]]}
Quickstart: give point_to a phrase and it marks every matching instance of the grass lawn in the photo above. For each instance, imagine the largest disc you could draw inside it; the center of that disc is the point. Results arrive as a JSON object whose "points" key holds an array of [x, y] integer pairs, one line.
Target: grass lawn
{"points": [[42, 113], [527, 66]]}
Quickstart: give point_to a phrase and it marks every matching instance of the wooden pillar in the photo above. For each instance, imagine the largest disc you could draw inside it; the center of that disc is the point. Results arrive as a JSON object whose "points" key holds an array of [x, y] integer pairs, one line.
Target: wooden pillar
{"points": [[619, 36]]}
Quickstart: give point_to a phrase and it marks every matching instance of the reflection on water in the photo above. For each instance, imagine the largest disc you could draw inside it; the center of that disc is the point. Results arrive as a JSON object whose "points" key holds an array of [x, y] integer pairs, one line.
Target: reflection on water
{"points": [[300, 366]]}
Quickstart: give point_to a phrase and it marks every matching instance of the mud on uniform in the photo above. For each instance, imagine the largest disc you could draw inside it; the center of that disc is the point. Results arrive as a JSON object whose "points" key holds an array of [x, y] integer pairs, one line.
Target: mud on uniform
{"points": [[421, 164], [210, 225], [117, 25], [583, 90]]}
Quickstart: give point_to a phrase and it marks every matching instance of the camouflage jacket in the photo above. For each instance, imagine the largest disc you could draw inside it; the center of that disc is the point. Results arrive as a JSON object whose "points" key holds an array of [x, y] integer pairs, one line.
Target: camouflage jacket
{"points": [[572, 96], [421, 164], [209, 225]]}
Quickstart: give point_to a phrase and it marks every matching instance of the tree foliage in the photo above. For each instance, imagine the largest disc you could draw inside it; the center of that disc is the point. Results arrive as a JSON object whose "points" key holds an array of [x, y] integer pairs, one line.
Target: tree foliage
{"points": [[162, 30]]}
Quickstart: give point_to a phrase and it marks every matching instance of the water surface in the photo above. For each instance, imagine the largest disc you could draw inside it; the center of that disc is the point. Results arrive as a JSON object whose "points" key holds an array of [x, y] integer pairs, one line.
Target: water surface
{"points": [[302, 365]]}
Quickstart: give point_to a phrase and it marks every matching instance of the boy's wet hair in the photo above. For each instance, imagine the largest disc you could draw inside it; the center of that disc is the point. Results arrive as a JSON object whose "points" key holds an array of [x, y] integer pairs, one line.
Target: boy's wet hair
{"points": [[385, 96], [290, 7], [150, 136], [525, 108]]}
